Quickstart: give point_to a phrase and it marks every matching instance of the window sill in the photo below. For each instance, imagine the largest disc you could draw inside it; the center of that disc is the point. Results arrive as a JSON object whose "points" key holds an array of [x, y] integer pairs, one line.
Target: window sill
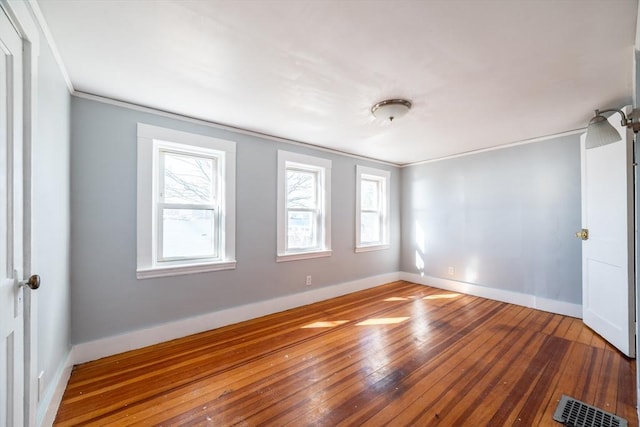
{"points": [[371, 248], [180, 270], [302, 255]]}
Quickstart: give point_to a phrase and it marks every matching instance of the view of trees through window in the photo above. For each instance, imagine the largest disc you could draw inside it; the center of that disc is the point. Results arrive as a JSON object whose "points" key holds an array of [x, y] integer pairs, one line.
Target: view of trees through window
{"points": [[370, 210], [302, 209], [187, 210]]}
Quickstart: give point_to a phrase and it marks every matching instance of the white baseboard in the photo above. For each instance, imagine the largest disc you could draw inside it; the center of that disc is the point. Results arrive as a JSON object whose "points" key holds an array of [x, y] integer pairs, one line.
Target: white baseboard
{"points": [[526, 300], [48, 407], [97, 349]]}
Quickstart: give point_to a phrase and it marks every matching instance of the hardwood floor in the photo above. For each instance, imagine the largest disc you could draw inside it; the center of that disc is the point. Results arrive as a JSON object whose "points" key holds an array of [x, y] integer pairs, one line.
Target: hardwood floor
{"points": [[399, 354]]}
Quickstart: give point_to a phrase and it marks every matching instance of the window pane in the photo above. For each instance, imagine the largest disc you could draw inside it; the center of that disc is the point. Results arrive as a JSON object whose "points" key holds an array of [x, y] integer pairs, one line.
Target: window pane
{"points": [[301, 231], [370, 227], [188, 179], [301, 189], [369, 193], [188, 233]]}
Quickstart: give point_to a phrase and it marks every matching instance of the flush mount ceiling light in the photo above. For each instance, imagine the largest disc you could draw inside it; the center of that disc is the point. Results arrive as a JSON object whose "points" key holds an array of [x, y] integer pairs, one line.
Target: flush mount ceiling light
{"points": [[390, 109], [600, 132]]}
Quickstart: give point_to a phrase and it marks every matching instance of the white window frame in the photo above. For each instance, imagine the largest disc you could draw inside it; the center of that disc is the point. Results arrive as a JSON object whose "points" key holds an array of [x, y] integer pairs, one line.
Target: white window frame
{"points": [[152, 140], [322, 167], [384, 178]]}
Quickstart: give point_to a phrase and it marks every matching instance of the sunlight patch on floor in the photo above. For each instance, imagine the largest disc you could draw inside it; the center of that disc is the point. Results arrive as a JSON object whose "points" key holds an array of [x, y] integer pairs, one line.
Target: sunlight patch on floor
{"points": [[396, 299], [442, 296], [383, 321], [325, 324]]}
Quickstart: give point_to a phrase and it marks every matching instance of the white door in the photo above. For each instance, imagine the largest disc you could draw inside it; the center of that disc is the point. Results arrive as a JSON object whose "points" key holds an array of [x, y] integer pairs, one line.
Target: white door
{"points": [[12, 374], [607, 254]]}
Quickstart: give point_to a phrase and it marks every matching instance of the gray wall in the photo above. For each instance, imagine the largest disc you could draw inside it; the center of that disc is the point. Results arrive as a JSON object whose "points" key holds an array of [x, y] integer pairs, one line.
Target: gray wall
{"points": [[50, 218], [503, 219], [107, 299]]}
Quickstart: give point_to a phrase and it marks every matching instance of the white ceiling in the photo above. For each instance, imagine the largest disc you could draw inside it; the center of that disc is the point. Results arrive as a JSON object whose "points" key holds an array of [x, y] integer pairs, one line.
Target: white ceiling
{"points": [[479, 73]]}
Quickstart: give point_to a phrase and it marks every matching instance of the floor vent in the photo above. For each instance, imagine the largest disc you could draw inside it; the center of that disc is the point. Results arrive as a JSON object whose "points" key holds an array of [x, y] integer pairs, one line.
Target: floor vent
{"points": [[573, 413]]}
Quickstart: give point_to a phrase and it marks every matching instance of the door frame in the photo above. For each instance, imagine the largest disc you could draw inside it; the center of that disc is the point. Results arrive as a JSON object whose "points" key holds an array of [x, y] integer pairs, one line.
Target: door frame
{"points": [[21, 16]]}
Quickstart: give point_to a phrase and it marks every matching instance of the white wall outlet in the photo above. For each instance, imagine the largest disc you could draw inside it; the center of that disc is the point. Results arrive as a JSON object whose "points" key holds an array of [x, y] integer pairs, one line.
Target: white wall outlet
{"points": [[40, 385], [308, 281], [452, 271]]}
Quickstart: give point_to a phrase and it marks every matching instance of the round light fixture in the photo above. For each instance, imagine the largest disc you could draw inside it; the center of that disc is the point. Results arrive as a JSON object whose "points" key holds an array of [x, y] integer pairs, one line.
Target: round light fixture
{"points": [[390, 109]]}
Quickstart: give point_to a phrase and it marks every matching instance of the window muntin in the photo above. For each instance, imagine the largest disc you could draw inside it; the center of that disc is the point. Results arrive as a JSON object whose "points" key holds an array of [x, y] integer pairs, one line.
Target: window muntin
{"points": [[303, 206], [186, 203], [372, 202]]}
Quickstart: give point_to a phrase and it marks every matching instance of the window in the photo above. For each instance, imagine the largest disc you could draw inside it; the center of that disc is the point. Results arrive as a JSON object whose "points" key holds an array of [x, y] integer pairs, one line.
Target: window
{"points": [[186, 203], [372, 209], [304, 223]]}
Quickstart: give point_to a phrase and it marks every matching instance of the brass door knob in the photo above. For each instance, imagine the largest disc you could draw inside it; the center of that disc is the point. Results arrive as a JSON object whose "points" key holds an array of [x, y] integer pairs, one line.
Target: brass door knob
{"points": [[32, 282], [583, 234]]}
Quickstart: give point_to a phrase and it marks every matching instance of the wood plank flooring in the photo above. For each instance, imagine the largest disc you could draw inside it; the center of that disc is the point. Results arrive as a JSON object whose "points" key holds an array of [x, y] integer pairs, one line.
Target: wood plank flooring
{"points": [[399, 354]]}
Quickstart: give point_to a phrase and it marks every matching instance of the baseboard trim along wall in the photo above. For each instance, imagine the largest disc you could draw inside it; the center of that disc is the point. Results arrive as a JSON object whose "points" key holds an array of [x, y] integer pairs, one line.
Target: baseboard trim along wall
{"points": [[97, 349], [50, 403], [93, 350], [525, 300]]}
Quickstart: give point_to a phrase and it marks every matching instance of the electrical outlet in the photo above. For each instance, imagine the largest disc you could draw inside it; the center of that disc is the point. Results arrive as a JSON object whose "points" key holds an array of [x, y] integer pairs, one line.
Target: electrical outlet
{"points": [[452, 271], [308, 281]]}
